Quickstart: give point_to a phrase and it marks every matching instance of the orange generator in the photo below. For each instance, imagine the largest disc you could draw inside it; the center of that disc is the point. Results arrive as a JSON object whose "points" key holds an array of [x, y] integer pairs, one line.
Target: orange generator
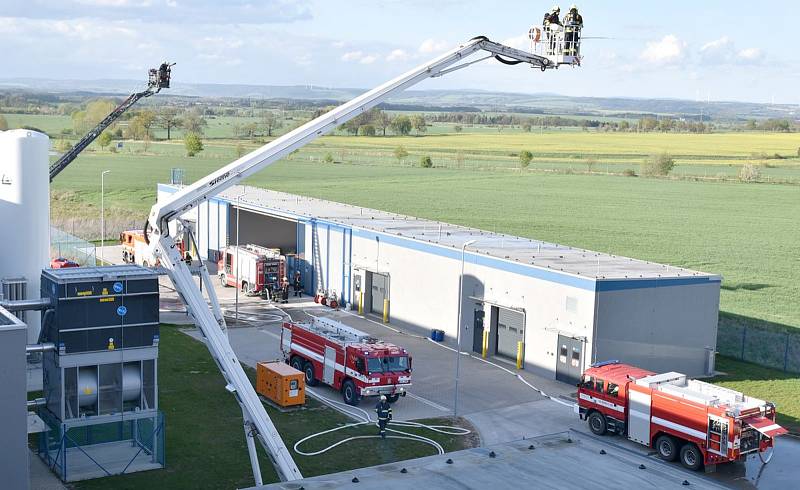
{"points": [[280, 383]]}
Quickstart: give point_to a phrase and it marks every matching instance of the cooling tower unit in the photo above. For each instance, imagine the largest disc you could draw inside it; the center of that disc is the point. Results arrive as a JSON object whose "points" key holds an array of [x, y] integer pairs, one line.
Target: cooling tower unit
{"points": [[100, 383], [25, 214]]}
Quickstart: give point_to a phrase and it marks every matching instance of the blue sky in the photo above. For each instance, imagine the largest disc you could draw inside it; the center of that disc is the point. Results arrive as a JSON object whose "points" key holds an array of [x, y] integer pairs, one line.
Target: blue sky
{"points": [[711, 49]]}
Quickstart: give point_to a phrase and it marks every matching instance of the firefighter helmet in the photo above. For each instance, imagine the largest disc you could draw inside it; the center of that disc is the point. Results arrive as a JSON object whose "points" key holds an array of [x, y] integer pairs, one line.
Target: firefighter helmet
{"points": [[383, 398]]}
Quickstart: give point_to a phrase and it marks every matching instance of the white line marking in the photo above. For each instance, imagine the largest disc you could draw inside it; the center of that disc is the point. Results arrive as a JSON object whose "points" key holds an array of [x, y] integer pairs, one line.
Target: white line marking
{"points": [[429, 403]]}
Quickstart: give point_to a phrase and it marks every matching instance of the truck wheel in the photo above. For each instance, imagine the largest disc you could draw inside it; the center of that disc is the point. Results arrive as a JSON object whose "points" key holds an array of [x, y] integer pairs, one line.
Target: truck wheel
{"points": [[308, 368], [245, 287], [597, 423], [667, 447], [691, 457], [297, 363], [392, 398], [350, 394], [222, 281]]}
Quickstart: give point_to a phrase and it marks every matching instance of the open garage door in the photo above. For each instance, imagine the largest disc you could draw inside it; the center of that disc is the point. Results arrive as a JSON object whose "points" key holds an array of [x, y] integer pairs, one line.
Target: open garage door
{"points": [[510, 331]]}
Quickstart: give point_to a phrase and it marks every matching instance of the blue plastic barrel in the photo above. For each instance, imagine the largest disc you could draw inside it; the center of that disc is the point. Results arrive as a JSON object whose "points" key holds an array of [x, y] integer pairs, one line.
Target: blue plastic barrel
{"points": [[439, 335], [434, 334]]}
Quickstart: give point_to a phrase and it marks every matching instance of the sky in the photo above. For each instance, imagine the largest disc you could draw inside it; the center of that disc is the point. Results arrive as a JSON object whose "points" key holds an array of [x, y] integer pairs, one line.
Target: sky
{"points": [[699, 50]]}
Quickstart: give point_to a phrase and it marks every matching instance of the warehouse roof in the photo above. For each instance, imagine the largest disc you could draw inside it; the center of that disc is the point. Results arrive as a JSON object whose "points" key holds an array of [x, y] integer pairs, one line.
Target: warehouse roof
{"points": [[528, 252]]}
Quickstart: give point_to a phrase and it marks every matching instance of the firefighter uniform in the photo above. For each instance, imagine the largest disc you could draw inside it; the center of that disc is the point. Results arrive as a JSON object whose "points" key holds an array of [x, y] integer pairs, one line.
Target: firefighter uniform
{"points": [[298, 285], [573, 22], [551, 24], [384, 411], [285, 291]]}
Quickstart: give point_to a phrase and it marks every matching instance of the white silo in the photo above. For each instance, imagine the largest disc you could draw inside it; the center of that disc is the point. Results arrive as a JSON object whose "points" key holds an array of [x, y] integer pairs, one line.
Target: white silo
{"points": [[25, 212]]}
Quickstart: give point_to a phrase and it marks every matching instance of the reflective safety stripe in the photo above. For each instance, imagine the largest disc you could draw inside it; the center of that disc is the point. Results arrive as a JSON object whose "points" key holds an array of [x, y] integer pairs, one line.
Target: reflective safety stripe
{"points": [[604, 403], [678, 427]]}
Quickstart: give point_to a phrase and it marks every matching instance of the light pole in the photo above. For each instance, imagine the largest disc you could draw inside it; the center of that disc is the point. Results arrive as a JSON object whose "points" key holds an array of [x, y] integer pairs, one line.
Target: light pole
{"points": [[458, 327], [103, 213]]}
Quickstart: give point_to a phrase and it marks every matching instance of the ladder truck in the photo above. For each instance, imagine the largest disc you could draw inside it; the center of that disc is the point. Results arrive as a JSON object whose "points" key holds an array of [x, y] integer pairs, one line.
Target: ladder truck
{"points": [[208, 316], [699, 423], [346, 359], [158, 79]]}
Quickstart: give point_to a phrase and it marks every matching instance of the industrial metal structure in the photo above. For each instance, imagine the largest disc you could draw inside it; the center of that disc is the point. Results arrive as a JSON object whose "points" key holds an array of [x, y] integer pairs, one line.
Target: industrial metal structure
{"points": [[557, 308], [25, 208], [158, 78], [682, 418], [209, 319], [100, 377]]}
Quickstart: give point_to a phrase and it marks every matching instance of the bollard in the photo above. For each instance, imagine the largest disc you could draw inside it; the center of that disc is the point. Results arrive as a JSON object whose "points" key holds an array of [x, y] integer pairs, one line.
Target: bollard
{"points": [[520, 354], [485, 346], [361, 302], [385, 311]]}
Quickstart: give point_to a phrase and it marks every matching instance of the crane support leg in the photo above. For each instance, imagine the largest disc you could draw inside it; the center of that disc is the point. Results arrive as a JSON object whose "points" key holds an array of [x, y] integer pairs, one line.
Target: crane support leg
{"points": [[217, 342]]}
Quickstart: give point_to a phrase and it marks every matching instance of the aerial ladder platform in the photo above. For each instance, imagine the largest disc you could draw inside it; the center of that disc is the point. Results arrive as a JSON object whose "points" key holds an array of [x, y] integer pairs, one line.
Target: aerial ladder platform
{"points": [[208, 316], [158, 78]]}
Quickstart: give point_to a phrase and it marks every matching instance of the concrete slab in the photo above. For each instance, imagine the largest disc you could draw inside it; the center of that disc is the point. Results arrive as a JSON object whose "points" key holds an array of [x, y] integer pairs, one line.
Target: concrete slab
{"points": [[41, 478], [564, 460]]}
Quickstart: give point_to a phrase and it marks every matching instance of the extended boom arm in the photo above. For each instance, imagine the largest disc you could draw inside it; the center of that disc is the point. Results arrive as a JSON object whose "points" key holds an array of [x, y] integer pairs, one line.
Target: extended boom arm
{"points": [[257, 422], [159, 78]]}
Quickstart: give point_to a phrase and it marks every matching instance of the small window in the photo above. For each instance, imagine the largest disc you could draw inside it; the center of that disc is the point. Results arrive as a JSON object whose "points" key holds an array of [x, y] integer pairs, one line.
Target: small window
{"points": [[612, 390], [587, 382], [360, 365], [598, 385]]}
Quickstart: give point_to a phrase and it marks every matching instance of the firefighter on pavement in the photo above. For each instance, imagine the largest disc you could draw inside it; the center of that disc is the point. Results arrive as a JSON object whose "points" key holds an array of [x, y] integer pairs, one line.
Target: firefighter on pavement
{"points": [[384, 411], [285, 290], [298, 284], [573, 23]]}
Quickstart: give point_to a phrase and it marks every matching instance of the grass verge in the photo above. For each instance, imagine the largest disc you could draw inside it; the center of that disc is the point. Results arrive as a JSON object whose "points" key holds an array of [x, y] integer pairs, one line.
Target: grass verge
{"points": [[205, 446], [783, 389]]}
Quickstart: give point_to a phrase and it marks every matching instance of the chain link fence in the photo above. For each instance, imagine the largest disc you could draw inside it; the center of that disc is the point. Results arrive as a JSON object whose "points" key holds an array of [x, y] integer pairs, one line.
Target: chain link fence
{"points": [[769, 346], [68, 246]]}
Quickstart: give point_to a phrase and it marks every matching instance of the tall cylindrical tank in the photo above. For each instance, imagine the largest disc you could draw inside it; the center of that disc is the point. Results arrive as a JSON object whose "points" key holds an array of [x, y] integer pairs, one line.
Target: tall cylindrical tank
{"points": [[25, 212]]}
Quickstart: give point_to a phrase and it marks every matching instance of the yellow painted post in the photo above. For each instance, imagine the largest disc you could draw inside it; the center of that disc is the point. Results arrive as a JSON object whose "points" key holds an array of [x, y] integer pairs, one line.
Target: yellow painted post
{"points": [[361, 302], [485, 346], [385, 311], [520, 353]]}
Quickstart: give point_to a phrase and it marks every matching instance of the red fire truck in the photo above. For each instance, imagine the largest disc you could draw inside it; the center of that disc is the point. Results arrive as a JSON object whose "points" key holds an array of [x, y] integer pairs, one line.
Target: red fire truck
{"points": [[696, 422], [136, 251], [261, 269], [346, 359]]}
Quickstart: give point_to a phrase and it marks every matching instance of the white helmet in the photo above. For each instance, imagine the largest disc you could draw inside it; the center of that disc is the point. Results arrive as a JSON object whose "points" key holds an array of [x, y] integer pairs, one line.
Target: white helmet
{"points": [[383, 398], [574, 7], [556, 8]]}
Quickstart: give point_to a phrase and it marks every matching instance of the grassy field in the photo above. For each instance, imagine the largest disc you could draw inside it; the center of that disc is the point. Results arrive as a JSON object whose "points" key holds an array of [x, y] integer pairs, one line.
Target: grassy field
{"points": [[764, 383], [205, 446]]}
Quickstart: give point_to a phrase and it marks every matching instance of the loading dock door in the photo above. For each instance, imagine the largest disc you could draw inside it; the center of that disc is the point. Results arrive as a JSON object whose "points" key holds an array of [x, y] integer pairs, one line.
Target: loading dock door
{"points": [[569, 364], [477, 331], [379, 289], [510, 331]]}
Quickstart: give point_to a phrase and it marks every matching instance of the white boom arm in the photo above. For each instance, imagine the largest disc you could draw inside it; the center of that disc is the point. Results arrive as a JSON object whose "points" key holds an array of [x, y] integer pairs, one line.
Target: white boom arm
{"points": [[257, 422]]}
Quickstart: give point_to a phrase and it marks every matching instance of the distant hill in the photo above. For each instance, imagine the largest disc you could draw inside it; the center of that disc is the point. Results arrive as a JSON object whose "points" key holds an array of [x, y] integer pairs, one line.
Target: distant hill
{"points": [[435, 99]]}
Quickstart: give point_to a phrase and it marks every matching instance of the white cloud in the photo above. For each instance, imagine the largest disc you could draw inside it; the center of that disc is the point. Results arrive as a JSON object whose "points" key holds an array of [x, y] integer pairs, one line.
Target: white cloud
{"points": [[749, 54], [397, 55], [433, 46], [352, 56], [368, 59], [717, 44], [665, 51]]}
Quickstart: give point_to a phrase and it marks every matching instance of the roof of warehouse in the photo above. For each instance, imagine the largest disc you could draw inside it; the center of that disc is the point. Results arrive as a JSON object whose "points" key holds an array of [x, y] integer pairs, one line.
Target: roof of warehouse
{"points": [[523, 251]]}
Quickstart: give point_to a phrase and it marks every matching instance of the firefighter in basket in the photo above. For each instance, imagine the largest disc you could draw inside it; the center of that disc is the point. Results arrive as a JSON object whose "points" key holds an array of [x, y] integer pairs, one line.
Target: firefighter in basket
{"points": [[573, 23], [384, 411], [552, 24]]}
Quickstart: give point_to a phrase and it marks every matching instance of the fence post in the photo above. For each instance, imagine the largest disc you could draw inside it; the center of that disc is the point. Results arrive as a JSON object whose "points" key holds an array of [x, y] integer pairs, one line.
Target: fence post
{"points": [[786, 353], [744, 338]]}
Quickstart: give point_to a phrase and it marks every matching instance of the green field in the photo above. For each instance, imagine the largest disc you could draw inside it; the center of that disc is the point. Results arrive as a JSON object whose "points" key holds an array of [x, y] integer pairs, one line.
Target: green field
{"points": [[205, 446]]}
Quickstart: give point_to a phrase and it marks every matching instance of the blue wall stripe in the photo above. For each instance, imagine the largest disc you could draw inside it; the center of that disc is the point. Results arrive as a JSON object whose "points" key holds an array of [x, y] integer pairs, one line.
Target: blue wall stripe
{"points": [[623, 284]]}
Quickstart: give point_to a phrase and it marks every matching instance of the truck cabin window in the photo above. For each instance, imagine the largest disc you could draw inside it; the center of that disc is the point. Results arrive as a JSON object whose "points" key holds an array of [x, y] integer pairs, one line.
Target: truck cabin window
{"points": [[612, 389], [361, 365], [587, 382], [387, 364]]}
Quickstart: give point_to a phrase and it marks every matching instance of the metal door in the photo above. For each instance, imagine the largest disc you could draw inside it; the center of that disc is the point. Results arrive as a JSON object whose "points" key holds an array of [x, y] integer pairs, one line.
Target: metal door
{"points": [[569, 361], [330, 365], [639, 417], [379, 283], [477, 332], [510, 331]]}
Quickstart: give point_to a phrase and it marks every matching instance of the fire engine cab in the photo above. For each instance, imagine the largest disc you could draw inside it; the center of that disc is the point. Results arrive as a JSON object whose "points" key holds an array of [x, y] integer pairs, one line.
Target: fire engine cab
{"points": [[346, 359], [696, 422], [136, 251], [261, 269]]}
